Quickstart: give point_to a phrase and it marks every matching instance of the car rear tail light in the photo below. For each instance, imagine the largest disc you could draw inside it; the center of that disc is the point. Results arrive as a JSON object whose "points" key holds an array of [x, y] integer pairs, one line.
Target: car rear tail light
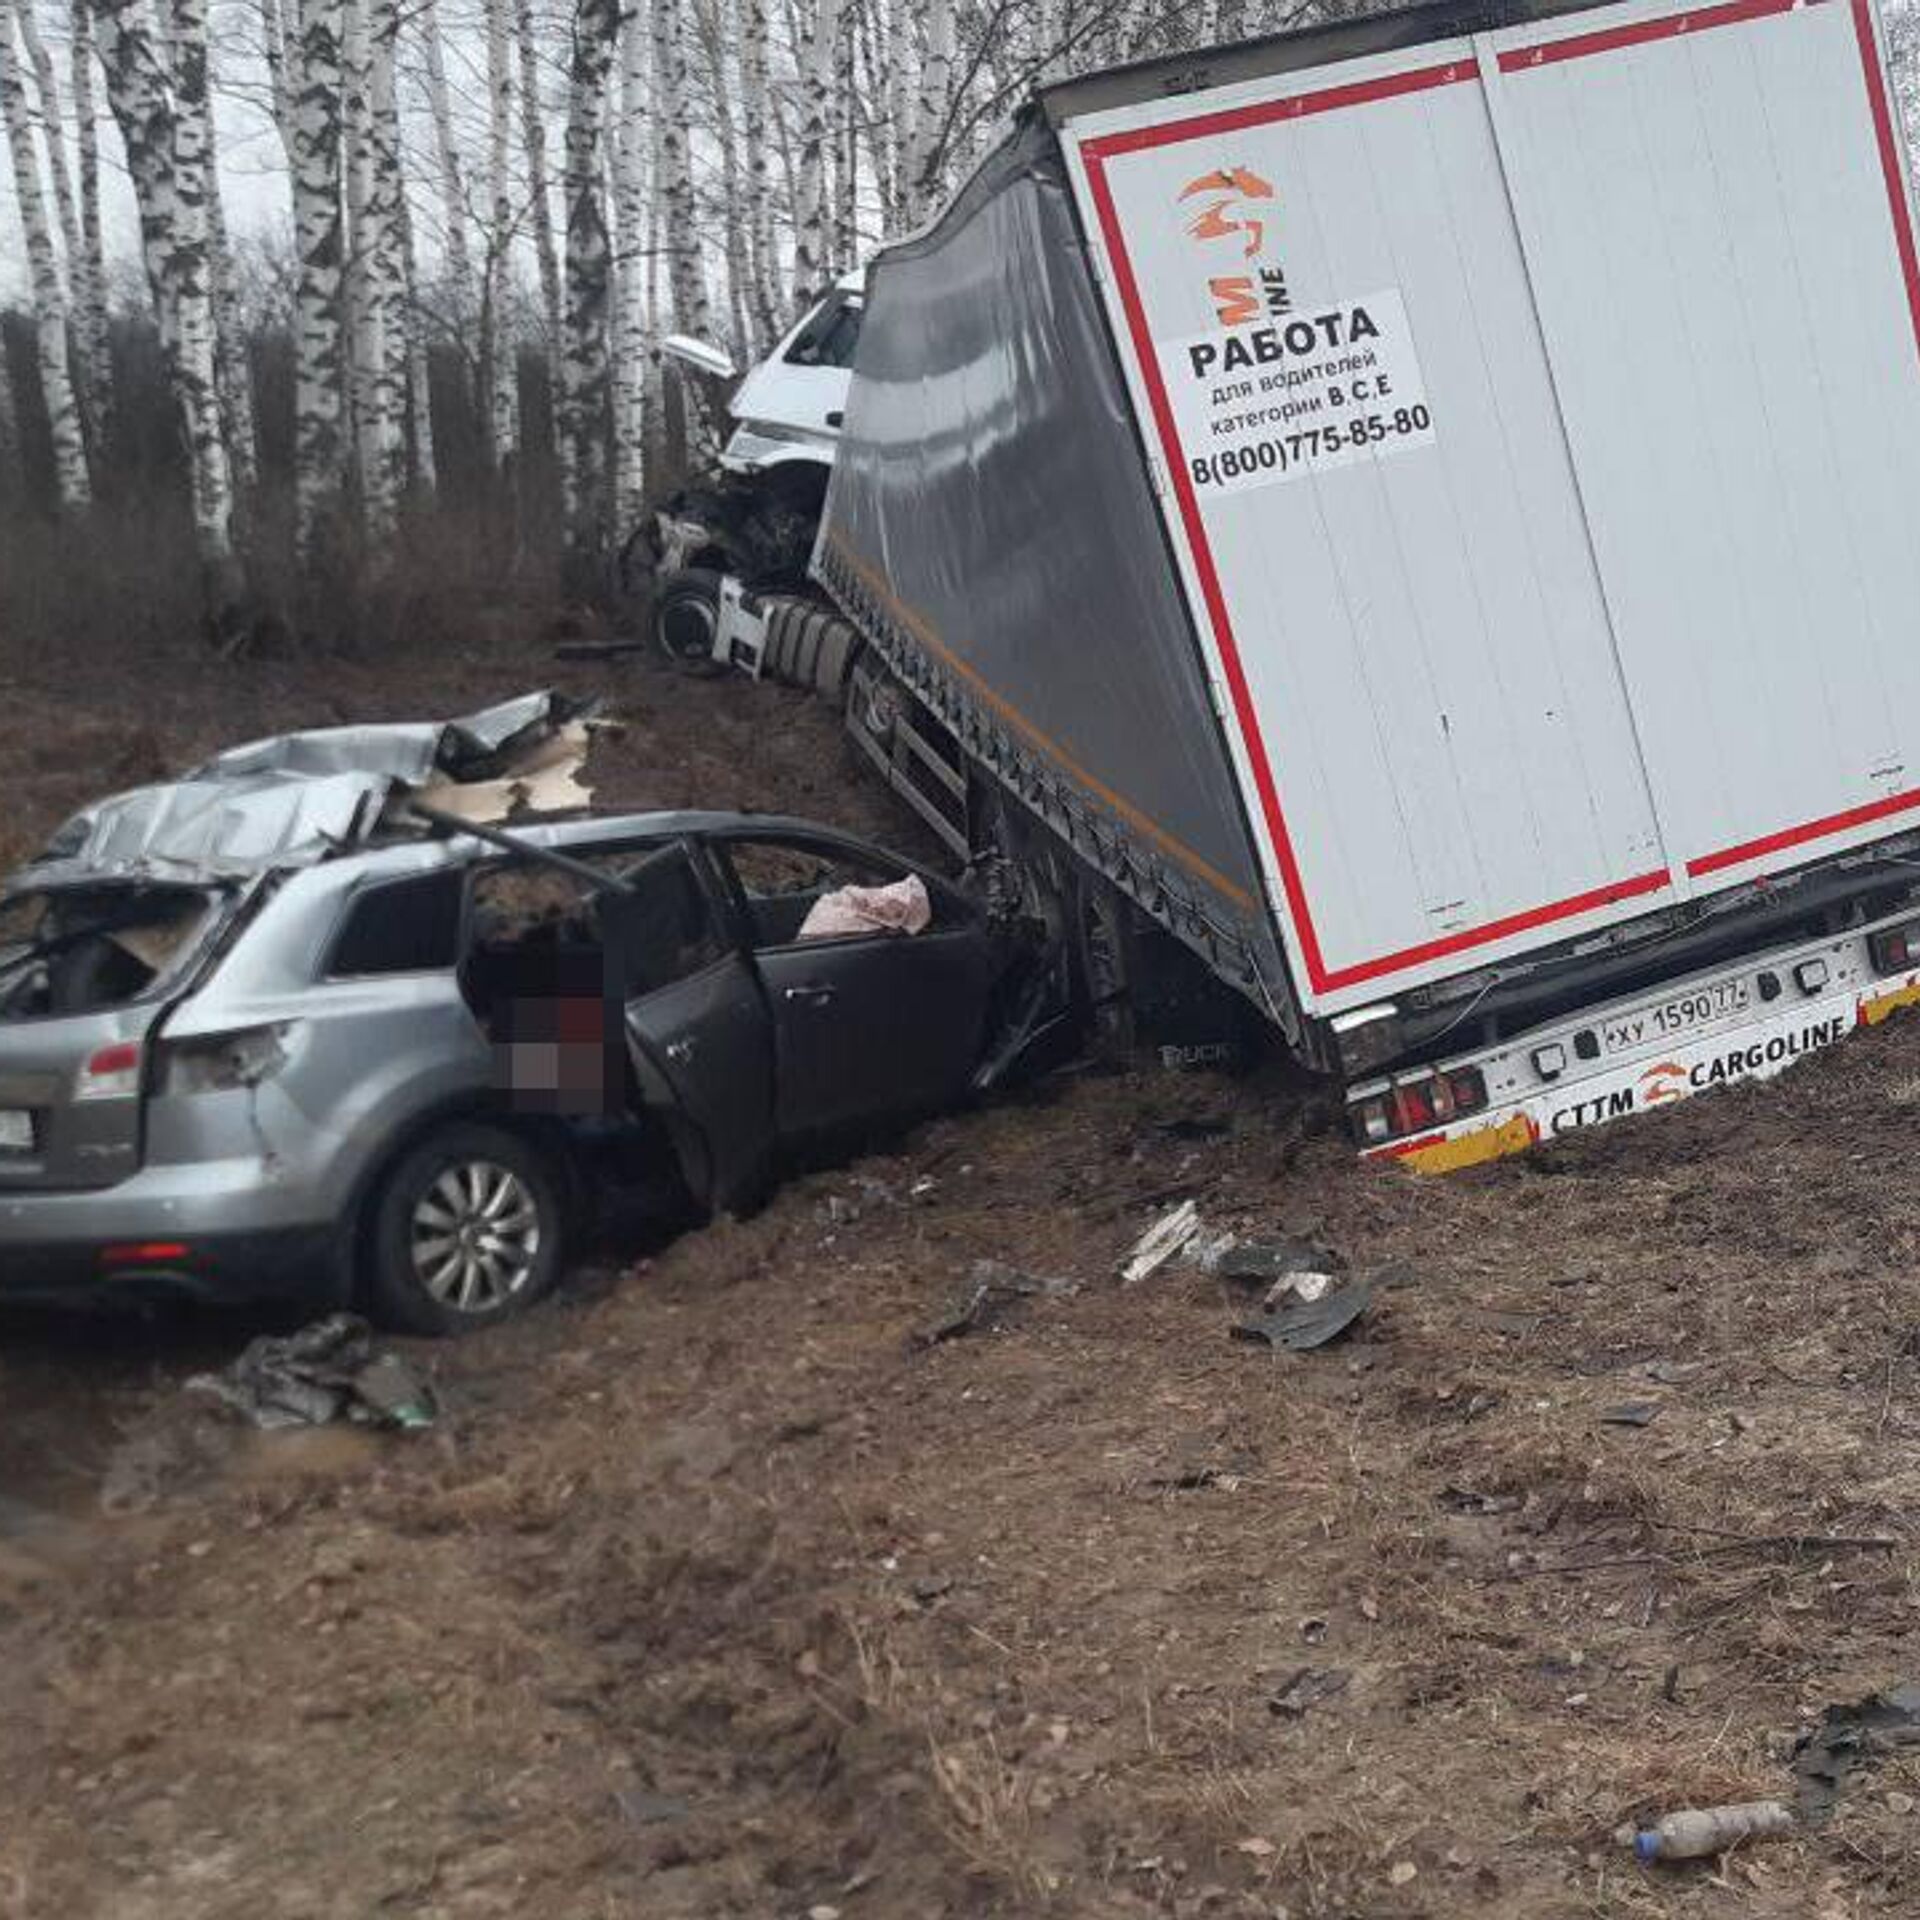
{"points": [[1419, 1102], [218, 1062], [113, 1073], [1896, 949], [145, 1253]]}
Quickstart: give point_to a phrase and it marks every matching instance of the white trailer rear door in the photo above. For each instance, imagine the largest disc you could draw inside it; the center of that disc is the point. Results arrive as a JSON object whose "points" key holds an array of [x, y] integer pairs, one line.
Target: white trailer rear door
{"points": [[1714, 213], [1459, 601]]}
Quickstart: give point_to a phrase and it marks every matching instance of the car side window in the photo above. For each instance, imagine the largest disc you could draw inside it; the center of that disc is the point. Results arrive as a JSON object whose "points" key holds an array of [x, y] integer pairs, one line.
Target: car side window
{"points": [[830, 336], [663, 928], [400, 926], [781, 882]]}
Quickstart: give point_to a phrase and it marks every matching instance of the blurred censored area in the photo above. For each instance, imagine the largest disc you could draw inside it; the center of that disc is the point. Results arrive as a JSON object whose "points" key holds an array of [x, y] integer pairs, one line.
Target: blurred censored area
{"points": [[540, 973]]}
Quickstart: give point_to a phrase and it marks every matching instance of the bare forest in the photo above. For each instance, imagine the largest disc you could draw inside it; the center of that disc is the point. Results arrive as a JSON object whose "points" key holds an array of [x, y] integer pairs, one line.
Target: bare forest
{"points": [[421, 351]]}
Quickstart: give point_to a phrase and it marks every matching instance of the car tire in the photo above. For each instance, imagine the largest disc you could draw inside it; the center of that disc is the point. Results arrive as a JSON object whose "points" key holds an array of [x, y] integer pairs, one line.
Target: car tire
{"points": [[686, 617], [467, 1230]]}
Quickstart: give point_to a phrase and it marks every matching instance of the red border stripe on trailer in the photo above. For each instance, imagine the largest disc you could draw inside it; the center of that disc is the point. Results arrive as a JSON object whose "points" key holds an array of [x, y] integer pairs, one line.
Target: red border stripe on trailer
{"points": [[1670, 26], [1099, 150]]}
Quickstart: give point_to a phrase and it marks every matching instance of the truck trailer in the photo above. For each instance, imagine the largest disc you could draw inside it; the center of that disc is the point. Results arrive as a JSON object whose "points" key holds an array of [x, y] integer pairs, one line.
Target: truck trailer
{"points": [[1413, 515]]}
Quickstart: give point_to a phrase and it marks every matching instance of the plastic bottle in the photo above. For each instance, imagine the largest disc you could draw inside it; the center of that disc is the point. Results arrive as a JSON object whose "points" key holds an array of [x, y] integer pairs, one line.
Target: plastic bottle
{"points": [[1695, 1832]]}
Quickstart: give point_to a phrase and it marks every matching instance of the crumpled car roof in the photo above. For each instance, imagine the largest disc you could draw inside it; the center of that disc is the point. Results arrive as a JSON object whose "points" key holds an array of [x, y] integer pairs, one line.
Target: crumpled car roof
{"points": [[294, 798]]}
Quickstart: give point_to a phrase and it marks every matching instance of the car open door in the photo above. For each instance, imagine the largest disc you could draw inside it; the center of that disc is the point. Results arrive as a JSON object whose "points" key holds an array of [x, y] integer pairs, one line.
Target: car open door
{"points": [[866, 1026], [697, 1027]]}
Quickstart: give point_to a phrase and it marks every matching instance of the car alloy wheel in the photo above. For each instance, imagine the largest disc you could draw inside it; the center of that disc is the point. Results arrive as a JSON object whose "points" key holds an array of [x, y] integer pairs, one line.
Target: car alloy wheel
{"points": [[475, 1237]]}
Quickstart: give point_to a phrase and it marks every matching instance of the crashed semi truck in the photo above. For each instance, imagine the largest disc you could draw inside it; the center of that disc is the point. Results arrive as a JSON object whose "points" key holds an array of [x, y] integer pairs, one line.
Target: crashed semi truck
{"points": [[1414, 515]]}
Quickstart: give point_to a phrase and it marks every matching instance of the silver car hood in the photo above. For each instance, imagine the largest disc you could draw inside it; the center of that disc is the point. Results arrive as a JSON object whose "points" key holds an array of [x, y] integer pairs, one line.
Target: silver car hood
{"points": [[297, 798]]}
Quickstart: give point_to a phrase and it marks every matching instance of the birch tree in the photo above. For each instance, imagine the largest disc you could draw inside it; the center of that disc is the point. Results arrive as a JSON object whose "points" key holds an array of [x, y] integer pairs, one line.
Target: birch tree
{"points": [[633, 139], [453, 189], [585, 393], [71, 487], [90, 273], [533, 133], [764, 267], [318, 449], [496, 344], [812, 229], [190, 270]]}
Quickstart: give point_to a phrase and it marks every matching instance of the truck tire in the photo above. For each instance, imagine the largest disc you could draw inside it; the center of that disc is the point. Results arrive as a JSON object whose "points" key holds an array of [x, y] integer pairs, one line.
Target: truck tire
{"points": [[1102, 947], [466, 1230], [838, 645], [686, 616]]}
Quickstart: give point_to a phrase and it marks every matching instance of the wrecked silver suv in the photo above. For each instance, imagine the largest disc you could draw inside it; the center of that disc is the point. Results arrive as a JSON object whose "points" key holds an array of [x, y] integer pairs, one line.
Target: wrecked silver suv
{"points": [[304, 1020]]}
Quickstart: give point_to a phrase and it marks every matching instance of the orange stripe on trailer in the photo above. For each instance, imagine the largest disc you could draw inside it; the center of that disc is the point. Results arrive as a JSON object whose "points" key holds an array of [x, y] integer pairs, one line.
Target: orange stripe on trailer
{"points": [[922, 630]]}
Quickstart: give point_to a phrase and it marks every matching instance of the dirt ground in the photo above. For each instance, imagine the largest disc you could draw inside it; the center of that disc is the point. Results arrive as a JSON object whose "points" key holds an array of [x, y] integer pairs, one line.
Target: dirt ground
{"points": [[716, 1593]]}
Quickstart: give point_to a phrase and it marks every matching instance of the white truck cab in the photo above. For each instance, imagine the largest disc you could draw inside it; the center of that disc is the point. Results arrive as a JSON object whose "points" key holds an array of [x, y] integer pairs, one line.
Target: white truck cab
{"points": [[789, 409]]}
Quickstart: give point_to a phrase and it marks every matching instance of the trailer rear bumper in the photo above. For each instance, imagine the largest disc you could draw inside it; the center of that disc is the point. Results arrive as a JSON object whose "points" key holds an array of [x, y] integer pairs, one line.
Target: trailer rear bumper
{"points": [[1745, 1020]]}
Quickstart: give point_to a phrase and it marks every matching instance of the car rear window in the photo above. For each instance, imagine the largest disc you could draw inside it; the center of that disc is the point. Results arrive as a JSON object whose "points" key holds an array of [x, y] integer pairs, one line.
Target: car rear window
{"points": [[75, 950], [402, 926]]}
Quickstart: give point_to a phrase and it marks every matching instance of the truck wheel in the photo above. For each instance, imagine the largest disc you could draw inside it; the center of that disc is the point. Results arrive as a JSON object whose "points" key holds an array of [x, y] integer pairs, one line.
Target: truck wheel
{"points": [[466, 1231], [686, 617], [1102, 939]]}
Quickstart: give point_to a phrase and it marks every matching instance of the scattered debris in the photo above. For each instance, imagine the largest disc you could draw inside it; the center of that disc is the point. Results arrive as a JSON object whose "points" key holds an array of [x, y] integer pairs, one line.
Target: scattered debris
{"points": [[1695, 1832], [1161, 1241], [992, 1286], [1310, 1323], [328, 1371], [1255, 1261], [1307, 1687], [931, 1587], [1631, 1413], [1851, 1736], [1511, 1326]]}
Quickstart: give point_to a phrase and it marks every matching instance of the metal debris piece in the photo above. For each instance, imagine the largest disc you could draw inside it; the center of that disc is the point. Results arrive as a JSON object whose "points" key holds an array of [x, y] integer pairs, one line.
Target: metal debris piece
{"points": [[1631, 1413], [1255, 1261], [992, 1287], [1161, 1242], [1310, 1323], [1850, 1736], [1307, 1687], [328, 1371]]}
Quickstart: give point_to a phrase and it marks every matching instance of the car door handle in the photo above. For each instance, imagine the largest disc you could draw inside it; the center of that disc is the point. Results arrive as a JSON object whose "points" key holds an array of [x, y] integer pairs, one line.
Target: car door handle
{"points": [[810, 996], [680, 1051]]}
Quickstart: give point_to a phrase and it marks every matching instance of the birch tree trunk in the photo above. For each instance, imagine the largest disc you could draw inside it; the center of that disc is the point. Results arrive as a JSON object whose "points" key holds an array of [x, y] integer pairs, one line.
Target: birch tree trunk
{"points": [[90, 273], [71, 489], [765, 277], [235, 366], [585, 387], [273, 47], [812, 244], [533, 134], [419, 387], [931, 111], [632, 260], [319, 453], [362, 309], [846, 196], [191, 270], [497, 352], [453, 188], [141, 99], [902, 64], [733, 211], [377, 253]]}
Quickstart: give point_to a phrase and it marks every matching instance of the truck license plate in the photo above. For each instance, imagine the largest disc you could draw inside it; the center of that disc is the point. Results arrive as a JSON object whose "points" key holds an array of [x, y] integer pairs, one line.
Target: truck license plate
{"points": [[1696, 1008], [16, 1130]]}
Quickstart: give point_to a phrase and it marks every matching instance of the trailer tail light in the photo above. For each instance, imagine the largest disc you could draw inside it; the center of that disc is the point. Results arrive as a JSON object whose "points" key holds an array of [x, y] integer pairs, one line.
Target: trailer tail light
{"points": [[1896, 949], [1415, 1104], [112, 1073]]}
